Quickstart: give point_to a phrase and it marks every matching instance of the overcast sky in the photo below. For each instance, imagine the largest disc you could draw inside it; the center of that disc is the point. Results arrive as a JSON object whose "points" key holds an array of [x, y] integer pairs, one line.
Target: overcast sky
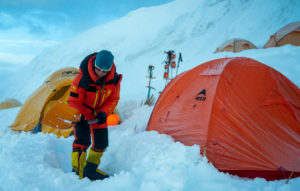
{"points": [[29, 26]]}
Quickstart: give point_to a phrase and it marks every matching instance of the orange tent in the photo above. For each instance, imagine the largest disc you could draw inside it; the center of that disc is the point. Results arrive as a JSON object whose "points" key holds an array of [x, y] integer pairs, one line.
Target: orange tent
{"points": [[10, 103], [289, 34], [235, 45], [244, 115]]}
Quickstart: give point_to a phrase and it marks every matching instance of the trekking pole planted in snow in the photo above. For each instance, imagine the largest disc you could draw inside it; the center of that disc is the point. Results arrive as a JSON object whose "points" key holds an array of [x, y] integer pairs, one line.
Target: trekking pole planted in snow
{"points": [[179, 60], [169, 63], [166, 73], [150, 76], [172, 63]]}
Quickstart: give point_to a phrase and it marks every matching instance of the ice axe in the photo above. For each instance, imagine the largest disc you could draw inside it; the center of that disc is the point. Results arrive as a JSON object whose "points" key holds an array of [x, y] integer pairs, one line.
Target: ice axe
{"points": [[63, 116]]}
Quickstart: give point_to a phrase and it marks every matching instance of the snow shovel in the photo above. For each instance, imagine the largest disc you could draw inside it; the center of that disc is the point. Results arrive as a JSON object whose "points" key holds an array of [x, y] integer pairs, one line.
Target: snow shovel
{"points": [[62, 116]]}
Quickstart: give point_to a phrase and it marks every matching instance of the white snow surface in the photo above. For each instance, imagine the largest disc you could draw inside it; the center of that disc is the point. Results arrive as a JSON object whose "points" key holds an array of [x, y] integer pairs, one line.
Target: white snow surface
{"points": [[137, 159]]}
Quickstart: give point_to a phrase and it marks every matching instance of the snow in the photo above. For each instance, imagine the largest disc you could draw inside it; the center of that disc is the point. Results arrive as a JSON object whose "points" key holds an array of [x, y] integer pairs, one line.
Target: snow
{"points": [[136, 159]]}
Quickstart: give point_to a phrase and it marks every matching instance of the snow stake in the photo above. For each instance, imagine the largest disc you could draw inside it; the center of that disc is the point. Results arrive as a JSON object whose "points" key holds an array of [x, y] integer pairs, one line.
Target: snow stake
{"points": [[150, 76], [170, 65]]}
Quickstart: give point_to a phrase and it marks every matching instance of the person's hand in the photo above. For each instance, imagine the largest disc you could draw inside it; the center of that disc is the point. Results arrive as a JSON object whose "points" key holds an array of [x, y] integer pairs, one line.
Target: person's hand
{"points": [[101, 117]]}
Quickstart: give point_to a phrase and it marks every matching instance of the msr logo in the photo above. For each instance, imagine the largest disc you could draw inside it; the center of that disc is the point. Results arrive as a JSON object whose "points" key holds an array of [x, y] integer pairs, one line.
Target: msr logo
{"points": [[201, 96]]}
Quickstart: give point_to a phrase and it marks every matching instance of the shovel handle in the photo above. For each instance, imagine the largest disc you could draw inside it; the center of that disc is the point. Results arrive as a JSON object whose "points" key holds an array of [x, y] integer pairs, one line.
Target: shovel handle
{"points": [[93, 121], [74, 122]]}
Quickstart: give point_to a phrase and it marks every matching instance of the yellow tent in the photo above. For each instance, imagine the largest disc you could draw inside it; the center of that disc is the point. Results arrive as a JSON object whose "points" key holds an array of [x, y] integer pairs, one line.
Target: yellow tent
{"points": [[289, 34], [10, 103], [55, 88], [235, 45]]}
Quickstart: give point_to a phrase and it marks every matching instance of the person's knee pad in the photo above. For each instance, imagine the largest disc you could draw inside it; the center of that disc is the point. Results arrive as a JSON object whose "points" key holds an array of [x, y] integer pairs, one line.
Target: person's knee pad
{"points": [[100, 139], [82, 134]]}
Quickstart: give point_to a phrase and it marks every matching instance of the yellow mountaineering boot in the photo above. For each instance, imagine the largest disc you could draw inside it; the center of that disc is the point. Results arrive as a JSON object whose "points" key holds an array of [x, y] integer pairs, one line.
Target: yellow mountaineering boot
{"points": [[91, 169], [78, 161]]}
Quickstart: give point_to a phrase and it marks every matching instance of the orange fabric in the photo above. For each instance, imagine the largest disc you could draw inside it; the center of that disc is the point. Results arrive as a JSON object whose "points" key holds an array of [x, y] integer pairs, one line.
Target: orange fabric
{"points": [[289, 34], [113, 119], [89, 103], [244, 115], [235, 45]]}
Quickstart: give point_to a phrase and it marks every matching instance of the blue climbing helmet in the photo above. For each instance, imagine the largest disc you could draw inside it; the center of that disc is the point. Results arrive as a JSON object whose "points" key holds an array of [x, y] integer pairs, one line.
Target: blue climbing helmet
{"points": [[104, 60]]}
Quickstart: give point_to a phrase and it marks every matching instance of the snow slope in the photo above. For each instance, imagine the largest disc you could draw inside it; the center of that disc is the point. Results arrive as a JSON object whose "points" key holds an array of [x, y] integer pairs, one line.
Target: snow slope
{"points": [[142, 160], [192, 27]]}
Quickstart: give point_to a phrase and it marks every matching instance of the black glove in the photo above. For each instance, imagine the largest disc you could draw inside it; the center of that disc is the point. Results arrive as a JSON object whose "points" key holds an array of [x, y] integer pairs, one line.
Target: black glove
{"points": [[101, 117]]}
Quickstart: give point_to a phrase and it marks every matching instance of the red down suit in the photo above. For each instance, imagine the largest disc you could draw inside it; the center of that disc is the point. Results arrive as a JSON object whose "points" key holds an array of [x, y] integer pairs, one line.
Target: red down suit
{"points": [[89, 94]]}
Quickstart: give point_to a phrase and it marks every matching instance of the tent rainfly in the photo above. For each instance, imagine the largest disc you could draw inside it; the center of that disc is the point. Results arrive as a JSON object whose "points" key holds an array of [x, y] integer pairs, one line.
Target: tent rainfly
{"points": [[10, 103], [289, 34], [244, 115], [55, 88], [235, 45]]}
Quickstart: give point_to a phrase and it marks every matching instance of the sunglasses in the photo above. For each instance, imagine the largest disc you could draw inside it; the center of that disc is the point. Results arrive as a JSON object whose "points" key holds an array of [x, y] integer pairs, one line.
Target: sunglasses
{"points": [[101, 70]]}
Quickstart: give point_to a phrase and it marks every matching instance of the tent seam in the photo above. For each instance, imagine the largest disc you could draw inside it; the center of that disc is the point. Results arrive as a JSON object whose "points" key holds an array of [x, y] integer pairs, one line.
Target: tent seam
{"points": [[213, 103]]}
